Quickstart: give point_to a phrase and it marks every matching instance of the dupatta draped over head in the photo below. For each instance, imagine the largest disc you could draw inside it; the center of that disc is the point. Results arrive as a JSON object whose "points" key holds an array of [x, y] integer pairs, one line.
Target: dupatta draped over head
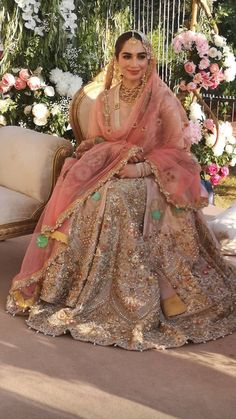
{"points": [[156, 125]]}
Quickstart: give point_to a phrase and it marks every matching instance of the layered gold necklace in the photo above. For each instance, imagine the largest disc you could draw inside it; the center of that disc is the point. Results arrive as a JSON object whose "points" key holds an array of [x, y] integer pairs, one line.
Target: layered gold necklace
{"points": [[129, 95]]}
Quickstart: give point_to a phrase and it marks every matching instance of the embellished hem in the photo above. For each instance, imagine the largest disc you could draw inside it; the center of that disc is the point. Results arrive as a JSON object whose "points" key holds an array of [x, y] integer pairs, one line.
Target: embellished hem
{"points": [[203, 202]]}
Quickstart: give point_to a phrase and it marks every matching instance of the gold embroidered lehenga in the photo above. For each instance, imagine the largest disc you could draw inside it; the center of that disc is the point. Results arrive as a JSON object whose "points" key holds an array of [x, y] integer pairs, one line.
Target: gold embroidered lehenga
{"points": [[129, 262], [106, 286]]}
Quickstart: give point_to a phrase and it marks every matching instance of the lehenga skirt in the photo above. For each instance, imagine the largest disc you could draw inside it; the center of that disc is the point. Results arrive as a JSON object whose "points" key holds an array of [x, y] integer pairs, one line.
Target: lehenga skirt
{"points": [[116, 283]]}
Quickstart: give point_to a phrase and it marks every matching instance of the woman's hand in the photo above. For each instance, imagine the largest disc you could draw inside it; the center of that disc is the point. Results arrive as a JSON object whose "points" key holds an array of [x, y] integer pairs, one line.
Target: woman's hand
{"points": [[139, 157], [128, 171], [87, 145], [83, 147]]}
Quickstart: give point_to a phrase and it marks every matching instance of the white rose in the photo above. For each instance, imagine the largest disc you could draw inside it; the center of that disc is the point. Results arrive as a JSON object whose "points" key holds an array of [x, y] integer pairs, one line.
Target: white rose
{"points": [[40, 121], [229, 149], [229, 74], [3, 120], [229, 59], [225, 129], [233, 162], [196, 112], [49, 91], [27, 110], [218, 149], [40, 111], [231, 140], [219, 41], [213, 52], [226, 50], [210, 140]]}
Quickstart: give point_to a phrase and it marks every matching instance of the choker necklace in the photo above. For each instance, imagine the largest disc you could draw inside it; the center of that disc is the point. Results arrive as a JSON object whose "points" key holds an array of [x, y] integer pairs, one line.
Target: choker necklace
{"points": [[129, 95]]}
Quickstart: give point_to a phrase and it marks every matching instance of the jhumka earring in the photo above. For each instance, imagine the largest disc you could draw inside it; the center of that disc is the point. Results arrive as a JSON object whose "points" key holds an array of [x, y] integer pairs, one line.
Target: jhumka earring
{"points": [[117, 74]]}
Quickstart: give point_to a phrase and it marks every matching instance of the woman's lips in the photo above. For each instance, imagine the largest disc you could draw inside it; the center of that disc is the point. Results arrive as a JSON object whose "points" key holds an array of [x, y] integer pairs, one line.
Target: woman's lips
{"points": [[134, 72]]}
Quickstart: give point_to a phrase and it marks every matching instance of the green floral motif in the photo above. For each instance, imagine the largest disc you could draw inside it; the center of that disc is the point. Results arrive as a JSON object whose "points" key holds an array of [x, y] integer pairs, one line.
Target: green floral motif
{"points": [[96, 196], [42, 241], [179, 210], [156, 214]]}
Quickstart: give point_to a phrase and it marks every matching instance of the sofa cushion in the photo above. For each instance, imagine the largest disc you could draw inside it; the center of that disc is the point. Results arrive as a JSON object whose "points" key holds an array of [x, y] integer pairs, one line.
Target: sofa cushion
{"points": [[16, 206], [26, 160]]}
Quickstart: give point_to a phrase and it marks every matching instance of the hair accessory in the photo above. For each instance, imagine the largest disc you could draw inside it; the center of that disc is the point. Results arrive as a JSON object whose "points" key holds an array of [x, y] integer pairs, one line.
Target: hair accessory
{"points": [[133, 40]]}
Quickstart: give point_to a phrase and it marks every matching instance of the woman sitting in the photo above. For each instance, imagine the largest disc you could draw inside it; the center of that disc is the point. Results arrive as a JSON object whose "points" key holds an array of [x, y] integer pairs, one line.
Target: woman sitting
{"points": [[121, 255]]}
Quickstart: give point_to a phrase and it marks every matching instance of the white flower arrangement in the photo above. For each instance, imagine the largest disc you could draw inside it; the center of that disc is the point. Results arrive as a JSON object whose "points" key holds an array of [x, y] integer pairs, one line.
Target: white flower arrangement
{"points": [[67, 84], [66, 8], [30, 10]]}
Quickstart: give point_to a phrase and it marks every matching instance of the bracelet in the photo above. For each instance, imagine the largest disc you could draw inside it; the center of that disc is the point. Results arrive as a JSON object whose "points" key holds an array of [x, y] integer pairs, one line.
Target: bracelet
{"points": [[143, 169]]}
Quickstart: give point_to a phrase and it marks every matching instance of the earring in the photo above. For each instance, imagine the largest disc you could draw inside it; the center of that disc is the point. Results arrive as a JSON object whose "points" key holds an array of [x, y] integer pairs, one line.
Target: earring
{"points": [[117, 74]]}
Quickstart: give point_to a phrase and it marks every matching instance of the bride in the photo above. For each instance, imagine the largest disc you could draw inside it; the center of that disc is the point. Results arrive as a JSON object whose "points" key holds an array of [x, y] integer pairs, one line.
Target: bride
{"points": [[122, 255]]}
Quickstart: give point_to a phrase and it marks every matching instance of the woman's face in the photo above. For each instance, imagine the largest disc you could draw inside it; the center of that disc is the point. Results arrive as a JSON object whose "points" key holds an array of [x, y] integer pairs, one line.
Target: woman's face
{"points": [[132, 62]]}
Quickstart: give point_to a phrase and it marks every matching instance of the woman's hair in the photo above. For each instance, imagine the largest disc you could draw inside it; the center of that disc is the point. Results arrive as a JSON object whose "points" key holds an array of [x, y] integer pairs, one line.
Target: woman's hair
{"points": [[123, 38]]}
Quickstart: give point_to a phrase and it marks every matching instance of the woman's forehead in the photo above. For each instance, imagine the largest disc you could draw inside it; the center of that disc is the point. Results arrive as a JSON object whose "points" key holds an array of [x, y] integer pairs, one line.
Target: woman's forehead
{"points": [[133, 47]]}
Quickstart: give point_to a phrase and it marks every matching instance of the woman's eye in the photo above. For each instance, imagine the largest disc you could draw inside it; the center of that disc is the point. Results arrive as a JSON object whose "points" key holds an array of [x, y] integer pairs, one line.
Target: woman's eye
{"points": [[126, 57], [142, 57]]}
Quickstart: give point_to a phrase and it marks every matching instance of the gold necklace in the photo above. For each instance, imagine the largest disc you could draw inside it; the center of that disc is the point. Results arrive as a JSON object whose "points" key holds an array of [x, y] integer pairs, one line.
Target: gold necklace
{"points": [[129, 95]]}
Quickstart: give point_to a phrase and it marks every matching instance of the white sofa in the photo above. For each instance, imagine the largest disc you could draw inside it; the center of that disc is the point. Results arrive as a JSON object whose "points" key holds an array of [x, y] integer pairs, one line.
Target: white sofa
{"points": [[30, 163]]}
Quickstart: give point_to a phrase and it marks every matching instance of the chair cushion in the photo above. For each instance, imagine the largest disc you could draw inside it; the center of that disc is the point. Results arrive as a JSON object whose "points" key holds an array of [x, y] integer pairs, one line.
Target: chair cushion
{"points": [[16, 206], [26, 161]]}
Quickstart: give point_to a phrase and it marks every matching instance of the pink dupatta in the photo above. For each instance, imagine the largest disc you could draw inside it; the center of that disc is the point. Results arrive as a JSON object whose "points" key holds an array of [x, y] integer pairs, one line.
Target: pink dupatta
{"points": [[157, 126]]}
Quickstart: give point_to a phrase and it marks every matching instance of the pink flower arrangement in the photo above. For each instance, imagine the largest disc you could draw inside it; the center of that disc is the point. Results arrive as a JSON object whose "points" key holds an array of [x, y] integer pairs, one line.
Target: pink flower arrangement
{"points": [[206, 62], [213, 157], [20, 82], [209, 125], [216, 173]]}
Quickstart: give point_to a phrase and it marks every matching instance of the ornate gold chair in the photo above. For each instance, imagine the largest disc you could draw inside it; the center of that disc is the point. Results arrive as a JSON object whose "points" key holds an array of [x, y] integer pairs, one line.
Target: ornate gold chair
{"points": [[30, 163], [81, 106]]}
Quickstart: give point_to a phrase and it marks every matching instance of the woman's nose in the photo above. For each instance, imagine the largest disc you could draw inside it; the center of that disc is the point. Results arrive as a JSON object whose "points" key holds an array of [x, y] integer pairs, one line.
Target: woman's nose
{"points": [[134, 62]]}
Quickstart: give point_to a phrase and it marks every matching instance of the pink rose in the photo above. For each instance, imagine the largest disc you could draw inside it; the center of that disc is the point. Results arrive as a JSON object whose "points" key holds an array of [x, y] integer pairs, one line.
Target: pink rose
{"points": [[3, 88], [214, 68], [215, 179], [20, 84], [8, 80], [24, 74], [204, 63], [209, 124], [189, 67], [224, 171], [212, 169], [34, 83], [191, 86]]}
